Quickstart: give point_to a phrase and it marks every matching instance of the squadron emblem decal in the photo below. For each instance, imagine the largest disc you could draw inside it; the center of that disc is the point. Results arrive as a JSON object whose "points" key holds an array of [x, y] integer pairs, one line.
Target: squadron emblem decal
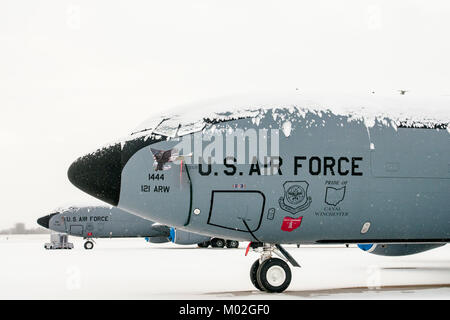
{"points": [[296, 197], [163, 158]]}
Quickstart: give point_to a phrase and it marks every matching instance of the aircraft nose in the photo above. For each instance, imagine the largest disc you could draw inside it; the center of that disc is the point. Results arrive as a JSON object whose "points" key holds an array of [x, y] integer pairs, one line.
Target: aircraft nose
{"points": [[99, 173], [44, 221]]}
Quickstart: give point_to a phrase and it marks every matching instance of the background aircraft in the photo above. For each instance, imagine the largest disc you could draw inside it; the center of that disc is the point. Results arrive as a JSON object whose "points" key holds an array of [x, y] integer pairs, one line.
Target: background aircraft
{"points": [[110, 222], [328, 169]]}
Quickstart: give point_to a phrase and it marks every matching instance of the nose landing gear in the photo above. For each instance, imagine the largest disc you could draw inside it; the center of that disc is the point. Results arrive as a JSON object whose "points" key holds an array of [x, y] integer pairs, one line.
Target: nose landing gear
{"points": [[274, 275], [268, 273], [89, 244]]}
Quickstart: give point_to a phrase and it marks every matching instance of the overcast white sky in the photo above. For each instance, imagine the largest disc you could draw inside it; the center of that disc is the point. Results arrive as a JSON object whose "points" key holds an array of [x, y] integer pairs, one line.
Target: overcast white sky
{"points": [[75, 75]]}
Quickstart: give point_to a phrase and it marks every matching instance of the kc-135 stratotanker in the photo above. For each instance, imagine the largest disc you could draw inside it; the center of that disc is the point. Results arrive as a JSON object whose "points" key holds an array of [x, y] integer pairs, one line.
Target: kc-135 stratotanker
{"points": [[298, 168], [90, 222]]}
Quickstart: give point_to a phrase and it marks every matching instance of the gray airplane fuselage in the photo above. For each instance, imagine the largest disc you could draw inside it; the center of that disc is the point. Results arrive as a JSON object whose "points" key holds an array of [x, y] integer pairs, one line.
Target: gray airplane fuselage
{"points": [[101, 222], [335, 178]]}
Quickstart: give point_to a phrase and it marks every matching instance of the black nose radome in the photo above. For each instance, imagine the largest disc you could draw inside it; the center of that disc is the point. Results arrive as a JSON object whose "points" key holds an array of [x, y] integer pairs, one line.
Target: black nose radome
{"points": [[45, 220], [99, 173]]}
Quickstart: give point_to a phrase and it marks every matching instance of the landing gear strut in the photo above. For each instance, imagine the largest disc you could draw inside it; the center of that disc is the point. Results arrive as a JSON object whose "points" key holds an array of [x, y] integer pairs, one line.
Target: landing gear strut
{"points": [[268, 273]]}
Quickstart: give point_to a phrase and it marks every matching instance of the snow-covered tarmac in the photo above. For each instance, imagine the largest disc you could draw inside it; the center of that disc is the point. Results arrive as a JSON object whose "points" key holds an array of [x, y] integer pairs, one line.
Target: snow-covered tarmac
{"points": [[135, 269]]}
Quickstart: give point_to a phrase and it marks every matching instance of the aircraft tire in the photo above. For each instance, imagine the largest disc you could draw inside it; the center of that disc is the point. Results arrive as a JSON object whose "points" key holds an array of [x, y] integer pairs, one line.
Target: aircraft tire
{"points": [[217, 243], [253, 271], [274, 275], [88, 245], [232, 244], [203, 244]]}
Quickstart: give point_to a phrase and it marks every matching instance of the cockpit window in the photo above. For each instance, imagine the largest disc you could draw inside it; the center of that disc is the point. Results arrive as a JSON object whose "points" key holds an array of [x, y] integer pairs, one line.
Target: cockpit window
{"points": [[176, 126], [195, 117], [170, 126], [148, 124], [190, 127]]}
